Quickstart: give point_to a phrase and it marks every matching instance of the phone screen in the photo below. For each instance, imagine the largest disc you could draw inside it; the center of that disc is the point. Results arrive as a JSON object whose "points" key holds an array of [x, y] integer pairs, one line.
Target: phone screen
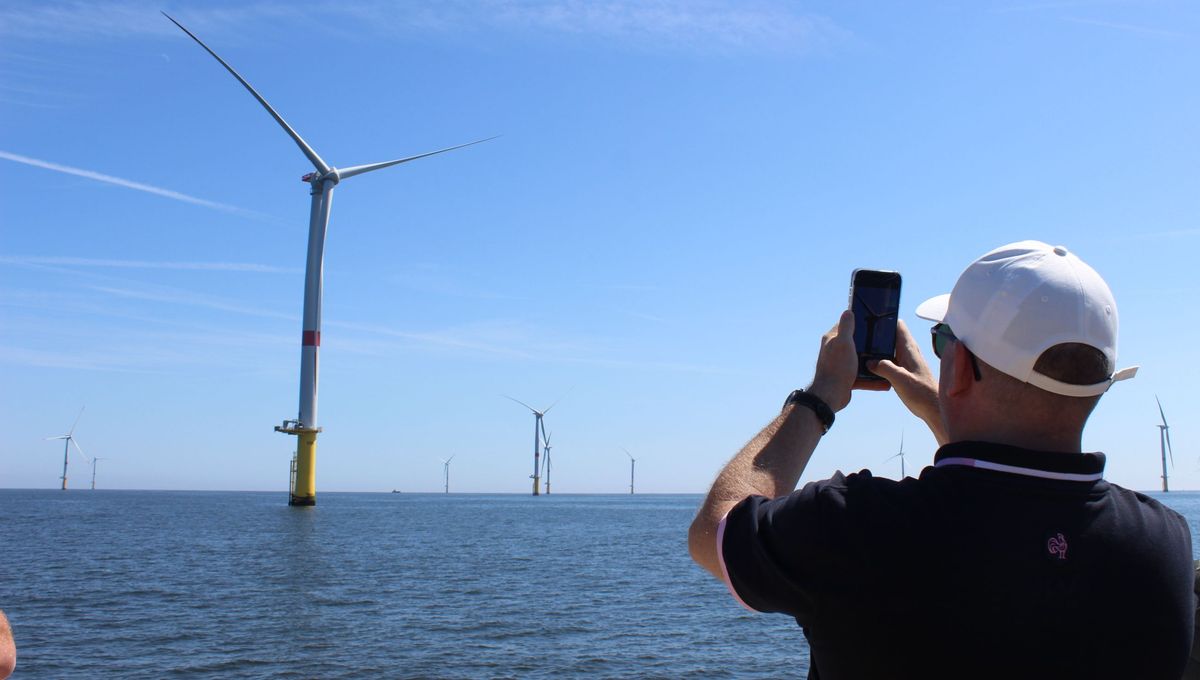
{"points": [[875, 301]]}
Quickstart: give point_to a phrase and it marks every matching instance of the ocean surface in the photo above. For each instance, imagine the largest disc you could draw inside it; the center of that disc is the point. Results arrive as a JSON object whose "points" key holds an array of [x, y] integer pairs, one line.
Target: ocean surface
{"points": [[168, 584]]}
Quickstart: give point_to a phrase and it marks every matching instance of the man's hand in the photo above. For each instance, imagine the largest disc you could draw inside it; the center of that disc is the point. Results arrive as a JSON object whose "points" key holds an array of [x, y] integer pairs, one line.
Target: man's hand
{"points": [[914, 382], [837, 366]]}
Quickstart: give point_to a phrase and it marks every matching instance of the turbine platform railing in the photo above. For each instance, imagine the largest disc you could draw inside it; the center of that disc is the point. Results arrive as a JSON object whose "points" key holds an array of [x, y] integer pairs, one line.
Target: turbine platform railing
{"points": [[294, 427]]}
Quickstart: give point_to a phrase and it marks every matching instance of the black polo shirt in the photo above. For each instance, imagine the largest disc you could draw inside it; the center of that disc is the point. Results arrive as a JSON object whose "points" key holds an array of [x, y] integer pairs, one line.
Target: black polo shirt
{"points": [[998, 562]]}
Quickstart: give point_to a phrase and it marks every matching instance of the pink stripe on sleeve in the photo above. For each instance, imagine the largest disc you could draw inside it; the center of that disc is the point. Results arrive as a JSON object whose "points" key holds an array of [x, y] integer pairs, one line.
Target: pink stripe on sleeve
{"points": [[721, 559]]}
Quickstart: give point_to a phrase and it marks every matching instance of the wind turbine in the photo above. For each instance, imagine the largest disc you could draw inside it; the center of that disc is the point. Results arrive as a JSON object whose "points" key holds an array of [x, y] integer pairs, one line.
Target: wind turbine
{"points": [[1164, 443], [545, 463], [632, 462], [900, 456], [70, 441], [94, 471], [322, 182], [539, 432], [446, 470]]}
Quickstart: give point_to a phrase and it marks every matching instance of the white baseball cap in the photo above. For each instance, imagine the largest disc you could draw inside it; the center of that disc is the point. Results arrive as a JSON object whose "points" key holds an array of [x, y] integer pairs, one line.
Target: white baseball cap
{"points": [[1021, 299]]}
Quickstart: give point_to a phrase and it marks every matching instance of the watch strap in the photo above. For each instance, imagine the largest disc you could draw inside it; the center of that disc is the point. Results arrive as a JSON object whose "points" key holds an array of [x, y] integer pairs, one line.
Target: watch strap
{"points": [[815, 403]]}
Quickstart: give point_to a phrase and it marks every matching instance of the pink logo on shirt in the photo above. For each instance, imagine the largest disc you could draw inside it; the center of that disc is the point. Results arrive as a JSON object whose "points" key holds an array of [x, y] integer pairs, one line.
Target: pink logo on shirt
{"points": [[1057, 545]]}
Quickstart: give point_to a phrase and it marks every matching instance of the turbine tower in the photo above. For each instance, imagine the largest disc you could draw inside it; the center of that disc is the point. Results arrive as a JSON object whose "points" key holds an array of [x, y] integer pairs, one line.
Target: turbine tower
{"points": [[900, 456], [539, 432], [94, 471], [1164, 443], [632, 463], [69, 438], [304, 484], [446, 470]]}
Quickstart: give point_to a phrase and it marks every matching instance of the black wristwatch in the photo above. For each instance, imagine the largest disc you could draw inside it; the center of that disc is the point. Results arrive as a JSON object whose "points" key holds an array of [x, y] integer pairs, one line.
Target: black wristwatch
{"points": [[818, 406]]}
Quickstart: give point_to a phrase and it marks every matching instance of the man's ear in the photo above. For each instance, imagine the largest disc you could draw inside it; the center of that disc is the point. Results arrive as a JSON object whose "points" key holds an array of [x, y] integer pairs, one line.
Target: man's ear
{"points": [[961, 376]]}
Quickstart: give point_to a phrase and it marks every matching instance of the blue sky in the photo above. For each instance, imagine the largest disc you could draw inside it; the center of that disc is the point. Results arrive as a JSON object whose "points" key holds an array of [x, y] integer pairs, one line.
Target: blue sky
{"points": [[658, 239]]}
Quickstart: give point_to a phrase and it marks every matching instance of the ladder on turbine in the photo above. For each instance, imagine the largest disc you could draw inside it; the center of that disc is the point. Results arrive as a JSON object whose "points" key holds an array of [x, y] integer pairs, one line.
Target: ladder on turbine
{"points": [[292, 474]]}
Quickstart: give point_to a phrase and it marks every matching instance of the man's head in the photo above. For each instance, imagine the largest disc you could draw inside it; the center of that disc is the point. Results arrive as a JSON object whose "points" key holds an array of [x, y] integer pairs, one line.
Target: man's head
{"points": [[1042, 323]]}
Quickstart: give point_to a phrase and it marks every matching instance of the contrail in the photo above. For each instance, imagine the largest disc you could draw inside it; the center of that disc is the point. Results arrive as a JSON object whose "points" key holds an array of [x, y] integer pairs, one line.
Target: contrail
{"points": [[142, 264], [166, 193]]}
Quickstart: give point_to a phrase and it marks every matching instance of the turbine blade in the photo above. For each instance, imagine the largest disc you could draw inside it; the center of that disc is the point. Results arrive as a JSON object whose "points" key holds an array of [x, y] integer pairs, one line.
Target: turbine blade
{"points": [[72, 430], [345, 173], [542, 425], [521, 403], [558, 400], [1160, 410], [65, 436], [450, 459], [627, 453], [76, 445], [1167, 431], [321, 165]]}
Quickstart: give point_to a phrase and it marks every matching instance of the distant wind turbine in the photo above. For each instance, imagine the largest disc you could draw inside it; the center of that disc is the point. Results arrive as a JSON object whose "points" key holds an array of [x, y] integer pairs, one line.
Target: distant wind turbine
{"points": [[70, 441], [322, 182], [94, 471], [539, 432], [900, 456], [632, 463], [546, 459], [446, 470], [1164, 443]]}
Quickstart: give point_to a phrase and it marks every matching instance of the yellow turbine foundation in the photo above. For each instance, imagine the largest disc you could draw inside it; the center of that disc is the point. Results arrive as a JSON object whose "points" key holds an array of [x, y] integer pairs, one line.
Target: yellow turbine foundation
{"points": [[304, 489]]}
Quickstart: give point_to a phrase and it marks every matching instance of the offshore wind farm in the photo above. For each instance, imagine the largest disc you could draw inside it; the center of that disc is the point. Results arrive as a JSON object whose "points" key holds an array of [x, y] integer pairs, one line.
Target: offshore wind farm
{"points": [[659, 241], [669, 222]]}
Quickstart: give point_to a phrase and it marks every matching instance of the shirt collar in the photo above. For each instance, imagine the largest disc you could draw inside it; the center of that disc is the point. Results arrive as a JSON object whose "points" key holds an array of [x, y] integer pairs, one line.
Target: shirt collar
{"points": [[1074, 467]]}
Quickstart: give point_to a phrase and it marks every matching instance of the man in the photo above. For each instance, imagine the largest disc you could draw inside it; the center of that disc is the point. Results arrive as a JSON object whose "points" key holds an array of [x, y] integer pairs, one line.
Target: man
{"points": [[1010, 557]]}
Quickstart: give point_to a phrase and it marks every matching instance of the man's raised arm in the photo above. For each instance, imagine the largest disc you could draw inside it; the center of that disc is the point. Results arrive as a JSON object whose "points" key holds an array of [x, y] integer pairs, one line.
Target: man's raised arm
{"points": [[771, 464]]}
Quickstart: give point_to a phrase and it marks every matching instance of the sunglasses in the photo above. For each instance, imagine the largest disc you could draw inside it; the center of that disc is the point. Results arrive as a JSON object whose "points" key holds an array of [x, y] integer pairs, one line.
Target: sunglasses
{"points": [[941, 335]]}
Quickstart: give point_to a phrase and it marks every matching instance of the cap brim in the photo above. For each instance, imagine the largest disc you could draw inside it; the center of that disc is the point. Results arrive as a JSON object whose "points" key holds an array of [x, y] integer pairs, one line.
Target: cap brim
{"points": [[934, 308]]}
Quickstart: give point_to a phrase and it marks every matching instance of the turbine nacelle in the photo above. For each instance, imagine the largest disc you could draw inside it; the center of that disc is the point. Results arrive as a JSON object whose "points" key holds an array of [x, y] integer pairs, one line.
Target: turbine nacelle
{"points": [[315, 178]]}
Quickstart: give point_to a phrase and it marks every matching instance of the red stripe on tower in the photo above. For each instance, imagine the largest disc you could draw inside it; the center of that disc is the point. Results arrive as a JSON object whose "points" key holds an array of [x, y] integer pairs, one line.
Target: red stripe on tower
{"points": [[311, 338]]}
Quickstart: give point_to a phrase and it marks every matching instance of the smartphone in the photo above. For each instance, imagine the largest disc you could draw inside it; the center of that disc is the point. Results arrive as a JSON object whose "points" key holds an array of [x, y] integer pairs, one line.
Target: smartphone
{"points": [[875, 301]]}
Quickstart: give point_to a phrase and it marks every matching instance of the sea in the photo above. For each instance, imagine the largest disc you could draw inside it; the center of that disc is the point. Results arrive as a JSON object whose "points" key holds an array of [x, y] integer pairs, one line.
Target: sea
{"points": [[175, 584]]}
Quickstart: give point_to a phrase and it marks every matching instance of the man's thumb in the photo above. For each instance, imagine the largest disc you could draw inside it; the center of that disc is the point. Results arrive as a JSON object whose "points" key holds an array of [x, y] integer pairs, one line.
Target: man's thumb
{"points": [[846, 324], [884, 368]]}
